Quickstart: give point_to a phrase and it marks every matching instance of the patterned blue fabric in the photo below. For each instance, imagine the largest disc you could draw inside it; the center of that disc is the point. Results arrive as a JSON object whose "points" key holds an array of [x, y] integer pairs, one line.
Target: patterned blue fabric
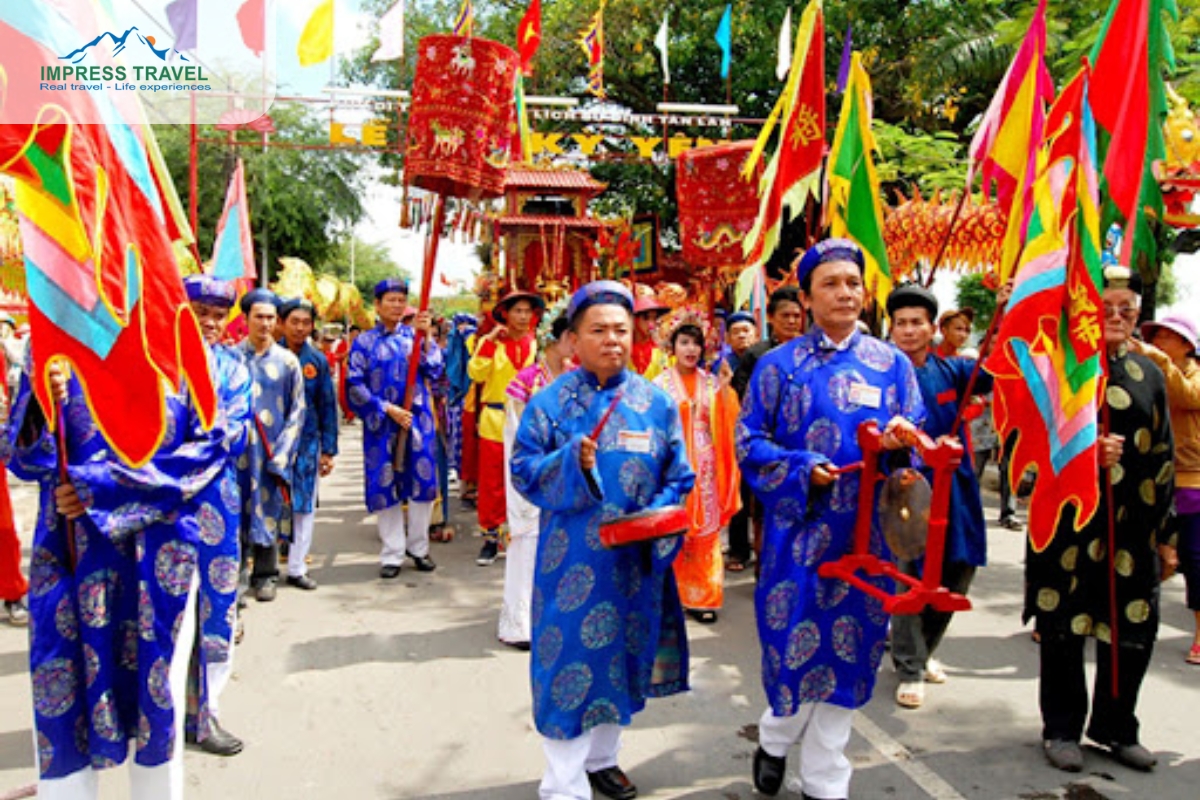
{"points": [[376, 374], [821, 640], [217, 509], [457, 356], [278, 388], [608, 627], [319, 435], [943, 382], [105, 631]]}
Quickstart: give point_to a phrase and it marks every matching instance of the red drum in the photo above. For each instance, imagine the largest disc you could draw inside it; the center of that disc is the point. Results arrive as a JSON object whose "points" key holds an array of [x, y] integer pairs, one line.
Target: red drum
{"points": [[462, 122], [717, 208], [645, 526]]}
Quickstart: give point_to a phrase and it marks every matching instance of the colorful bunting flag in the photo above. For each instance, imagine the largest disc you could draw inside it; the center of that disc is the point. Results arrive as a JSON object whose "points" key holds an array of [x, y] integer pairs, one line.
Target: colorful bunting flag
{"points": [[783, 60], [233, 250], [1006, 144], [844, 67], [793, 174], [524, 130], [464, 22], [1049, 364], [660, 42], [725, 40], [96, 221], [592, 42], [1130, 104], [316, 40], [855, 208], [182, 17], [252, 23], [391, 34], [529, 36]]}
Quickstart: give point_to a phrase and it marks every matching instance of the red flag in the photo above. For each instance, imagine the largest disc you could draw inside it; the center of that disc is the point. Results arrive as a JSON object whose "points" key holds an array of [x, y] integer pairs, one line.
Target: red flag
{"points": [[1121, 100], [794, 172], [529, 36], [252, 19]]}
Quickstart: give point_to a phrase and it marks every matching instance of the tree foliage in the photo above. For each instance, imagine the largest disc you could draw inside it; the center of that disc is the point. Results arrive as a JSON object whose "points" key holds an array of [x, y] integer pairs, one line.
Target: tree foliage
{"points": [[301, 200], [371, 263]]}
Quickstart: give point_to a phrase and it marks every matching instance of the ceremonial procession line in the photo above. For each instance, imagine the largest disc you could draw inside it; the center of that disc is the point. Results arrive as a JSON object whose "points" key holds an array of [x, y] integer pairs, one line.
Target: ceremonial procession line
{"points": [[371, 689]]}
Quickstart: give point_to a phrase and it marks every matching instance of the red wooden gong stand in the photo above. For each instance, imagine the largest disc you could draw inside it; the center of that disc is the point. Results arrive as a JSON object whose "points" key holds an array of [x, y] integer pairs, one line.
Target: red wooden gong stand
{"points": [[943, 458]]}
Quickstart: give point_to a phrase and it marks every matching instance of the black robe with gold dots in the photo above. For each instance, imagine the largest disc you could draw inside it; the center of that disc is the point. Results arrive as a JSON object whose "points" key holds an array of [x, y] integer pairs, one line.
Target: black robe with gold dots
{"points": [[1067, 585]]}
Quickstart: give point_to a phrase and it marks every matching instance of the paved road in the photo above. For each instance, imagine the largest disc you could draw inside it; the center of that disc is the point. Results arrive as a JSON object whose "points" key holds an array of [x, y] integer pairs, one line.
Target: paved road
{"points": [[366, 689]]}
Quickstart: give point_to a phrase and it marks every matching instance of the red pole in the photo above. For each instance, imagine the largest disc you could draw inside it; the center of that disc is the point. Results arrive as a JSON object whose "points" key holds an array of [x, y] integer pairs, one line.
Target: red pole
{"points": [[414, 359]]}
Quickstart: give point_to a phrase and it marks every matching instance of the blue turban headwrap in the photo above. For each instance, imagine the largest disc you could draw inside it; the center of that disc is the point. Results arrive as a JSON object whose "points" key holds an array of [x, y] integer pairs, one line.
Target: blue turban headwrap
{"points": [[390, 285], [599, 293], [825, 251], [210, 290], [253, 298]]}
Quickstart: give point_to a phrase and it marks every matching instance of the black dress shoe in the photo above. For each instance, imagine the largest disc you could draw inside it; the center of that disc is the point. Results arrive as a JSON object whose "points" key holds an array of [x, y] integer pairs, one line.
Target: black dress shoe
{"points": [[301, 582], [768, 772], [220, 742], [614, 783], [389, 571], [423, 563]]}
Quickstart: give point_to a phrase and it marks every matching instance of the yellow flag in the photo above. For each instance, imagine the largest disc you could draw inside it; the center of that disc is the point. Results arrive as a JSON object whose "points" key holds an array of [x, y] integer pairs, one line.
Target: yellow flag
{"points": [[316, 42]]}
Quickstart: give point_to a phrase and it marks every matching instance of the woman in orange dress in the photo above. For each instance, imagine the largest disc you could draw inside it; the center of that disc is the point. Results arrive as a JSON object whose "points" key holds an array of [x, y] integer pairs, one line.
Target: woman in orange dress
{"points": [[708, 408]]}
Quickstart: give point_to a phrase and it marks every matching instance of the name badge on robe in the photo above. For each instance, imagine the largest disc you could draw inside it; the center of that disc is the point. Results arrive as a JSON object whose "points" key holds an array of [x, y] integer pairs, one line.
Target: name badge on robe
{"points": [[633, 441], [865, 395], [948, 396]]}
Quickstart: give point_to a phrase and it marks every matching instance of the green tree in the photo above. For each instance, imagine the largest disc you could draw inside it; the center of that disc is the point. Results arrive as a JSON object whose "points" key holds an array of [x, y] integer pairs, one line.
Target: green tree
{"points": [[300, 199], [371, 263], [971, 293]]}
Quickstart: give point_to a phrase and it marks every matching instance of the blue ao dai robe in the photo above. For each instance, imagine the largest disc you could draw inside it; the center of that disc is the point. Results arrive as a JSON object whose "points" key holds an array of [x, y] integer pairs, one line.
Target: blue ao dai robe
{"points": [[608, 627], [104, 633], [278, 389], [377, 373], [319, 435], [217, 509], [943, 383], [821, 640]]}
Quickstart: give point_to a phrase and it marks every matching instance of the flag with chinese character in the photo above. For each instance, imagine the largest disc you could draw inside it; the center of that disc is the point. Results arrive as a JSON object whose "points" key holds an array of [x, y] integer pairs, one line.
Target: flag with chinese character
{"points": [[97, 216], [855, 208], [592, 42], [1049, 363], [1006, 144], [793, 174]]}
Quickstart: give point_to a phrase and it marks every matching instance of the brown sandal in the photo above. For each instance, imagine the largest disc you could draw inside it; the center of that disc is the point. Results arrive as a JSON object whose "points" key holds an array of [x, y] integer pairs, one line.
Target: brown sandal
{"points": [[735, 565]]}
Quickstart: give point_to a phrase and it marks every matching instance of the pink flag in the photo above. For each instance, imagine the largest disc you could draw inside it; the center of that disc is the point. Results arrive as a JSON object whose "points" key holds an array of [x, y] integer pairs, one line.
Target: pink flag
{"points": [[252, 19], [233, 250]]}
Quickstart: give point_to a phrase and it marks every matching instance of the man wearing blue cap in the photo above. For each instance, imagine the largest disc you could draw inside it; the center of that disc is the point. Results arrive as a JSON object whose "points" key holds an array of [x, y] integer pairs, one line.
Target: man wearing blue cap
{"points": [[318, 444], [269, 461], [821, 641], [217, 514], [608, 629], [376, 380]]}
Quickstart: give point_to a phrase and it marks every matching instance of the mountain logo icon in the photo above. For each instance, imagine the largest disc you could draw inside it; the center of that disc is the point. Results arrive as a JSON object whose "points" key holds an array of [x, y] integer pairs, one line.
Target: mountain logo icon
{"points": [[119, 44]]}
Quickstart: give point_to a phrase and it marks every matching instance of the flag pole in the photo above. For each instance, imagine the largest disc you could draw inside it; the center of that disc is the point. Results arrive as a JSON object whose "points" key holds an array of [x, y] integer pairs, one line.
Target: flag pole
{"points": [[414, 358], [1114, 660], [937, 262]]}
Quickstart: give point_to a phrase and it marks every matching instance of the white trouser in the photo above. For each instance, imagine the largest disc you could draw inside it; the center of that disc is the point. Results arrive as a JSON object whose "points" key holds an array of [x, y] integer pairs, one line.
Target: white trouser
{"points": [[302, 536], [568, 762], [392, 531], [823, 731], [164, 782], [520, 566], [218, 678]]}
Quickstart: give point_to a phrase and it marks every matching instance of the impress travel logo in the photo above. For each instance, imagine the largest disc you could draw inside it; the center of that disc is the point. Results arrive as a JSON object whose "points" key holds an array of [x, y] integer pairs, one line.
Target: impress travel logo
{"points": [[145, 67]]}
